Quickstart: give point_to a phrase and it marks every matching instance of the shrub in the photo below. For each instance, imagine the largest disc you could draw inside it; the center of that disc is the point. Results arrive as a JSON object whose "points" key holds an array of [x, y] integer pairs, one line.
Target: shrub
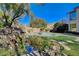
{"points": [[39, 42]]}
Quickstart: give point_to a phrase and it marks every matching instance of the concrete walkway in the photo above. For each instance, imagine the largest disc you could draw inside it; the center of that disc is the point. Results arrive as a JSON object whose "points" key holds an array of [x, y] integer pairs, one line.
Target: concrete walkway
{"points": [[49, 34]]}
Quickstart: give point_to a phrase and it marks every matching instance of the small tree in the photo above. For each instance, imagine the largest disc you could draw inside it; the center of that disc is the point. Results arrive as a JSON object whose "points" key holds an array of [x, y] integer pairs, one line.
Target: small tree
{"points": [[38, 23], [56, 25], [10, 13]]}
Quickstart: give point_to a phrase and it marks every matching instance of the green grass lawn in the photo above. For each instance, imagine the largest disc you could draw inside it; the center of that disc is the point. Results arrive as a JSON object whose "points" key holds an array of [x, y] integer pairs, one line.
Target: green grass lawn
{"points": [[74, 50], [74, 46], [5, 52], [63, 38]]}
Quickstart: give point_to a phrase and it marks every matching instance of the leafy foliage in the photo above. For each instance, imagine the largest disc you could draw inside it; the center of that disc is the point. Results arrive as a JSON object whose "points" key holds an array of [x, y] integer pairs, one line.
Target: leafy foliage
{"points": [[38, 23], [56, 25], [11, 12], [39, 42], [1, 25]]}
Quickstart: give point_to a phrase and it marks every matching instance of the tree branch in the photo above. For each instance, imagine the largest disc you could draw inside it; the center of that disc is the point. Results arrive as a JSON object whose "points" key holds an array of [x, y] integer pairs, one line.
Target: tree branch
{"points": [[14, 19], [16, 16]]}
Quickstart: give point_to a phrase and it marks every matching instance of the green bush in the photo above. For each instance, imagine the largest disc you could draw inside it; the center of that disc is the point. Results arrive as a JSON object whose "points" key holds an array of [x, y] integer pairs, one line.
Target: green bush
{"points": [[39, 42], [1, 25]]}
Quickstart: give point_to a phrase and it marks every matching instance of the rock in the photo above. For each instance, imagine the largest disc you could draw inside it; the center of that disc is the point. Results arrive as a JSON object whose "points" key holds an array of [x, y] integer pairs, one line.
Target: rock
{"points": [[54, 49], [51, 52]]}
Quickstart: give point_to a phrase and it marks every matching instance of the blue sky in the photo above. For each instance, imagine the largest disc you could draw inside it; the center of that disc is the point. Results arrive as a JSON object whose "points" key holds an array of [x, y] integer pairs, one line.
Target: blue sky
{"points": [[50, 12]]}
